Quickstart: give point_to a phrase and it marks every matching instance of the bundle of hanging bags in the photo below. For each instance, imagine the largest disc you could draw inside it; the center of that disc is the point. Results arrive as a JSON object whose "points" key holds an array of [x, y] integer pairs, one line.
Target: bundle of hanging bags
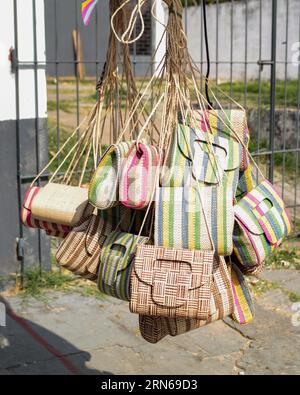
{"points": [[169, 225]]}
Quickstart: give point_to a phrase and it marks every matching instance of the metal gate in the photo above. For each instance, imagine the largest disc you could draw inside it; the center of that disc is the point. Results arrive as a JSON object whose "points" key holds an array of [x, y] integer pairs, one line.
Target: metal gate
{"points": [[273, 103]]}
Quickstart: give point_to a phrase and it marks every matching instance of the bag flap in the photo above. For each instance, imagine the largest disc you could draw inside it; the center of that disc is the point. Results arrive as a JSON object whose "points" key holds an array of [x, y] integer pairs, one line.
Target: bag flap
{"points": [[30, 195], [117, 253], [172, 273], [262, 211], [212, 154]]}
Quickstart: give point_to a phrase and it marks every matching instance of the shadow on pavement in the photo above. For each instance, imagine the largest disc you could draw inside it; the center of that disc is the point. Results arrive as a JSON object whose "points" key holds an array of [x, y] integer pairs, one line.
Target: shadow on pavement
{"points": [[28, 348]]}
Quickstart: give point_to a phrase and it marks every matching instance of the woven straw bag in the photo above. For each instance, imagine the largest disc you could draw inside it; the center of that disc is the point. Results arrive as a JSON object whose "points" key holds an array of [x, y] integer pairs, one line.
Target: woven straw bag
{"points": [[104, 186], [171, 282], [80, 250], [52, 229], [138, 176], [116, 263], [153, 329], [59, 203], [243, 305], [261, 223], [231, 124], [180, 218], [197, 158], [247, 181]]}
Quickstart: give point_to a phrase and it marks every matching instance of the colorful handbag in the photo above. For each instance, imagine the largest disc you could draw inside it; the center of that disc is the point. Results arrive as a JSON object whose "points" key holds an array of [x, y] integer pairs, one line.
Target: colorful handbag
{"points": [[231, 124], [171, 282], [243, 305], [199, 158], [103, 189], [153, 329], [261, 222], [80, 250], [186, 219], [247, 181], [138, 176], [116, 263], [59, 203], [52, 229]]}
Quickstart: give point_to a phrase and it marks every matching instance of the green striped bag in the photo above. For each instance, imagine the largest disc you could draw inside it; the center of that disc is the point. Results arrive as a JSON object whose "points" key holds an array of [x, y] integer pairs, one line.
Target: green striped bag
{"points": [[180, 221], [199, 158], [116, 261], [104, 186]]}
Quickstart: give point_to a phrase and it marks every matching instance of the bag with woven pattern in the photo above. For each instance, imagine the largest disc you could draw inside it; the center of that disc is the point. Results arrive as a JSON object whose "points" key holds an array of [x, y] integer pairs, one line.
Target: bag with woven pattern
{"points": [[138, 175], [116, 263], [104, 186], [231, 124], [153, 329], [59, 203], [80, 250], [261, 223], [171, 282], [52, 229]]}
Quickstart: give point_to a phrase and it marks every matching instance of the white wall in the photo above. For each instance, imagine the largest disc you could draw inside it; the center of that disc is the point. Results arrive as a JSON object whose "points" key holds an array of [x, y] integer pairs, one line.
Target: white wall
{"points": [[26, 53], [194, 27]]}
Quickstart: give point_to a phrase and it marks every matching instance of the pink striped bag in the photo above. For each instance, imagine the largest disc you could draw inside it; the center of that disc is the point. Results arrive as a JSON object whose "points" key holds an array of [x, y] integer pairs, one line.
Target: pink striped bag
{"points": [[27, 219], [138, 176]]}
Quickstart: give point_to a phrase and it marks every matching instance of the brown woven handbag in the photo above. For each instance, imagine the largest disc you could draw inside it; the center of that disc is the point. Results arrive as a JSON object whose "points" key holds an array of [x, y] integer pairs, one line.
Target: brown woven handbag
{"points": [[79, 252], [153, 329], [171, 282]]}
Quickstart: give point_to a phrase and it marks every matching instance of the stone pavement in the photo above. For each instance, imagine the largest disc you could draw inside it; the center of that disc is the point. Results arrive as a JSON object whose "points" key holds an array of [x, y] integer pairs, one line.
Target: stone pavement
{"points": [[70, 333]]}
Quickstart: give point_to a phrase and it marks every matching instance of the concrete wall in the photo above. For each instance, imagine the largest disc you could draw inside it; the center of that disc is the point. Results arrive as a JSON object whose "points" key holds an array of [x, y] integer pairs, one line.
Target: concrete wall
{"points": [[29, 121], [239, 47]]}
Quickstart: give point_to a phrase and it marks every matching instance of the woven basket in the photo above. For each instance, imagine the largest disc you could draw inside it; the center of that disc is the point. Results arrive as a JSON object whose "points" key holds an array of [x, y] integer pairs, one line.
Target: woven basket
{"points": [[52, 229], [80, 250], [104, 186], [171, 282], [61, 204], [261, 223], [153, 329]]}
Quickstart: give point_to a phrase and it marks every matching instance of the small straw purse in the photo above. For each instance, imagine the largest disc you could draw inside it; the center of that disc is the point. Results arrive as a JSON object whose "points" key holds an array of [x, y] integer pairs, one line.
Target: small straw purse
{"points": [[261, 223], [116, 260], [137, 181], [104, 186], [80, 250], [59, 203], [171, 282], [153, 329], [52, 229]]}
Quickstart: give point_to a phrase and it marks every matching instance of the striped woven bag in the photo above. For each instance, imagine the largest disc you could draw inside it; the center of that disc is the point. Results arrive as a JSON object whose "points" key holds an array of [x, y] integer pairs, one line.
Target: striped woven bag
{"points": [[243, 305], [171, 282], [116, 263], [80, 250], [138, 175], [261, 223], [247, 181], [153, 329], [199, 158], [104, 186], [231, 124], [52, 229]]}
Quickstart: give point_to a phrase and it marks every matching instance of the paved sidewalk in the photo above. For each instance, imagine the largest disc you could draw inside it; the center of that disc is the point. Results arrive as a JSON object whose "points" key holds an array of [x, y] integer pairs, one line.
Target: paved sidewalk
{"points": [[76, 334]]}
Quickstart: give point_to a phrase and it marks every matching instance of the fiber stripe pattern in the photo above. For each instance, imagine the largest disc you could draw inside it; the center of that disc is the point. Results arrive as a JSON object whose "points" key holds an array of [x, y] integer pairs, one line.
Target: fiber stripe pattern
{"points": [[171, 282], [180, 221], [116, 263], [138, 174], [52, 229], [80, 250], [243, 305], [154, 329], [103, 189], [261, 223], [224, 123]]}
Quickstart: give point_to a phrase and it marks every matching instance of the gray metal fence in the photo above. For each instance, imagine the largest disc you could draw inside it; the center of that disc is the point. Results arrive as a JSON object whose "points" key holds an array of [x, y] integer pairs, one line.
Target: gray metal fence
{"points": [[273, 103]]}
